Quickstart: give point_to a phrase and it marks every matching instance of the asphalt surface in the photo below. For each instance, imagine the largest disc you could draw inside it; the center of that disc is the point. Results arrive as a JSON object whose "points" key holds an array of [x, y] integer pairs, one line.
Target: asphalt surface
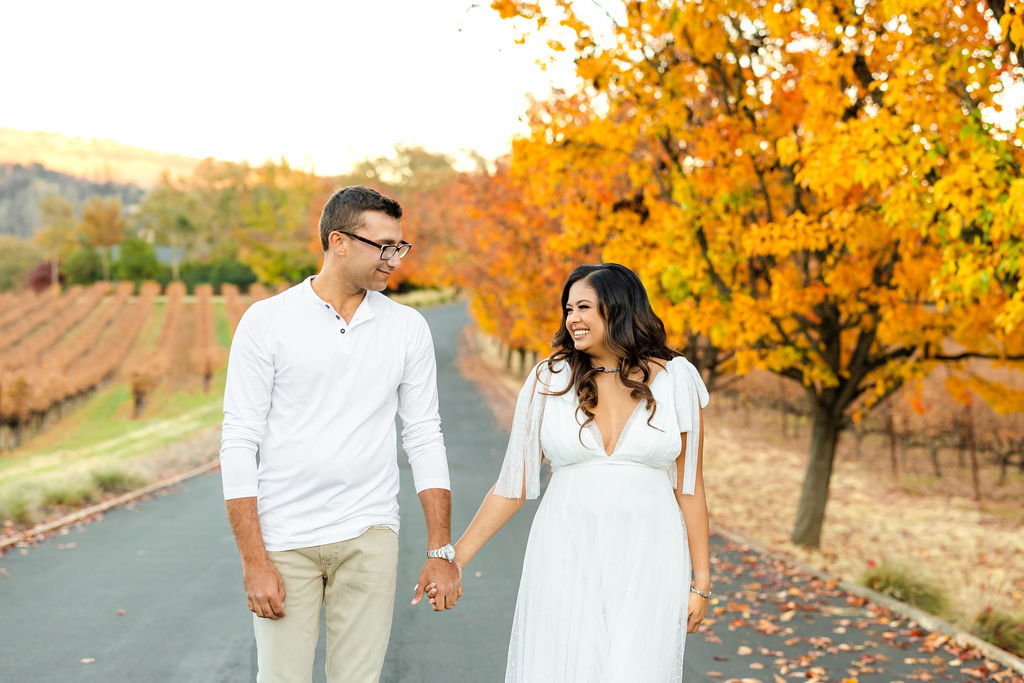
{"points": [[153, 592]]}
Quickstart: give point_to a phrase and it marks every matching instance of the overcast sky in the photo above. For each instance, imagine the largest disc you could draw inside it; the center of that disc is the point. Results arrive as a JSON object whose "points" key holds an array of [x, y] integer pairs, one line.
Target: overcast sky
{"points": [[320, 83]]}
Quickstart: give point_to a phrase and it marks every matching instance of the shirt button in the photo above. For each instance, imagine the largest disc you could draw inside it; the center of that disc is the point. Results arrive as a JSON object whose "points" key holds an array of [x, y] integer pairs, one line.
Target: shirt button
{"points": [[337, 317], [343, 331]]}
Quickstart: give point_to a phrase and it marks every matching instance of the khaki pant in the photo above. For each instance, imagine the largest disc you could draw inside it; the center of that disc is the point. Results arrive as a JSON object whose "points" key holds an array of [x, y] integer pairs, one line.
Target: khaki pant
{"points": [[356, 580]]}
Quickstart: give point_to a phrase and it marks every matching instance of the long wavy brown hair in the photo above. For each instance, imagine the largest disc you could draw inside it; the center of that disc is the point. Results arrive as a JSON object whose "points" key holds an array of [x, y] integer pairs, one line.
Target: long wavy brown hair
{"points": [[633, 333]]}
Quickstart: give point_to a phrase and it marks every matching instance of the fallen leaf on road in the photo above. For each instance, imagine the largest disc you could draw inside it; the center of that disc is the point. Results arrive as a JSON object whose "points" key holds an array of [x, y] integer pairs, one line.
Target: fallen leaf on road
{"points": [[121, 612]]}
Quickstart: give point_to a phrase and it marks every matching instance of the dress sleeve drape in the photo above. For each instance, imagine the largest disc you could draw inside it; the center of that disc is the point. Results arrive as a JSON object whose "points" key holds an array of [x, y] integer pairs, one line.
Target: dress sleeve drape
{"points": [[520, 472], [690, 396]]}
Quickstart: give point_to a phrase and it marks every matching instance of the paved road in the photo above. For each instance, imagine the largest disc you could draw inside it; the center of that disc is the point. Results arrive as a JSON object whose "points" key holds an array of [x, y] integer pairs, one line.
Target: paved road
{"points": [[169, 563]]}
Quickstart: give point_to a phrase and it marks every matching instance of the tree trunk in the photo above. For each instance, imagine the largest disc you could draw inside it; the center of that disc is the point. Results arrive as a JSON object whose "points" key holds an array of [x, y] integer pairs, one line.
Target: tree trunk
{"points": [[811, 514], [174, 260], [105, 261], [933, 451], [138, 404], [972, 449], [890, 427]]}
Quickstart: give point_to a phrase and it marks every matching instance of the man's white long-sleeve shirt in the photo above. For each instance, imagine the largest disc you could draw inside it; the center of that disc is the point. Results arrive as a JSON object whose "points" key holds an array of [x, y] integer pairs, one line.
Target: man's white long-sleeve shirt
{"points": [[316, 398]]}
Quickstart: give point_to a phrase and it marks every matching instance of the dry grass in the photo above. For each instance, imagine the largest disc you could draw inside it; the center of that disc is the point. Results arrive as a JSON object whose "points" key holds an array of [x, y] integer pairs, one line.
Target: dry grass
{"points": [[966, 549]]}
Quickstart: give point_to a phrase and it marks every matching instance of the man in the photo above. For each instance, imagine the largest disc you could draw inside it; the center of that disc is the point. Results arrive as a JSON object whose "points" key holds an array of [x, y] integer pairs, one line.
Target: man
{"points": [[315, 379]]}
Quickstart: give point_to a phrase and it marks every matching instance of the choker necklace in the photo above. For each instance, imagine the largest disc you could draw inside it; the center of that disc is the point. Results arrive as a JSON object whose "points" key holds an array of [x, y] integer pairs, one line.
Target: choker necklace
{"points": [[600, 369]]}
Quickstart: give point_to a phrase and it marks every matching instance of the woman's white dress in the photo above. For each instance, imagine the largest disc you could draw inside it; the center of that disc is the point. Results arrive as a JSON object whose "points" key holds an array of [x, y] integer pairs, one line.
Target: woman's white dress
{"points": [[606, 576]]}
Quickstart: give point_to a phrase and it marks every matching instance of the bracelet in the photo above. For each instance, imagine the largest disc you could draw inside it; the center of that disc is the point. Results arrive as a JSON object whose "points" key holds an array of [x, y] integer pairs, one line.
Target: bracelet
{"points": [[706, 596]]}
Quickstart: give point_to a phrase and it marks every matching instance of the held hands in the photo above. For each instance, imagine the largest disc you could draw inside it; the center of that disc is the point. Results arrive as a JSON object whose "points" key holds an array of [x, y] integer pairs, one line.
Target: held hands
{"points": [[441, 582], [264, 590]]}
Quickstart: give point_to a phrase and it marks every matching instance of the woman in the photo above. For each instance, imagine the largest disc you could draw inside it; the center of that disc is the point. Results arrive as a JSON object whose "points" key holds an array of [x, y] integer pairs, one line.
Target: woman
{"points": [[605, 592]]}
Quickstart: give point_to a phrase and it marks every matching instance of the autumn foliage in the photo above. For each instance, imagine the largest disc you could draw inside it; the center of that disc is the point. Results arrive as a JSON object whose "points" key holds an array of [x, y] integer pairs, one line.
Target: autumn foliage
{"points": [[146, 372], [820, 191], [70, 348]]}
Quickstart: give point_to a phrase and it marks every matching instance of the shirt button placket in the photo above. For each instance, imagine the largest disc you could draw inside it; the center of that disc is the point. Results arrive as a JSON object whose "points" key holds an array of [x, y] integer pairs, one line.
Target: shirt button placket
{"points": [[336, 317]]}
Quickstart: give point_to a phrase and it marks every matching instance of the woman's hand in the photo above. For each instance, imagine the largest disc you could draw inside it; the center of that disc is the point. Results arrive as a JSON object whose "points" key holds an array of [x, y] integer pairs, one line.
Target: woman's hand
{"points": [[432, 588], [697, 609]]}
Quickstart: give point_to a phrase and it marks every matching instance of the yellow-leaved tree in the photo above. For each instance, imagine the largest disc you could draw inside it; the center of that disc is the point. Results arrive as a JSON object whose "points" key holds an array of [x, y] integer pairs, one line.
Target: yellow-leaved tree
{"points": [[823, 190], [103, 227]]}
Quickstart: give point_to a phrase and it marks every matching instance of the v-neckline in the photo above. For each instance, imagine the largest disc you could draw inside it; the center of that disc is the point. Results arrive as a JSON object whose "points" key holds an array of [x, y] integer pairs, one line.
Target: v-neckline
{"points": [[625, 425], [618, 439]]}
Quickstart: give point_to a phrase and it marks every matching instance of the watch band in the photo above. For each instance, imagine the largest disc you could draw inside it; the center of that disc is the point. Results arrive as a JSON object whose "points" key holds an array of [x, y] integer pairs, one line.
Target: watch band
{"points": [[445, 552]]}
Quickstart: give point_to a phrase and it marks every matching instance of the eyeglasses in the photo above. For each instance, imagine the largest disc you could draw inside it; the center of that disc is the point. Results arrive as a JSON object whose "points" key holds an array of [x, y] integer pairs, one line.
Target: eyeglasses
{"points": [[387, 251]]}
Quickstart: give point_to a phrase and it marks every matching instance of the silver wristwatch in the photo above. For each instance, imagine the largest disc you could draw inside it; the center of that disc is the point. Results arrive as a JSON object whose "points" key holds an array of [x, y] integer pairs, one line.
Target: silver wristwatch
{"points": [[445, 552]]}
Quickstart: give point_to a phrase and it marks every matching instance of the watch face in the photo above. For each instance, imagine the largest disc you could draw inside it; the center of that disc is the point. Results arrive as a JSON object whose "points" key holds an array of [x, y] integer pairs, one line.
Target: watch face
{"points": [[449, 553]]}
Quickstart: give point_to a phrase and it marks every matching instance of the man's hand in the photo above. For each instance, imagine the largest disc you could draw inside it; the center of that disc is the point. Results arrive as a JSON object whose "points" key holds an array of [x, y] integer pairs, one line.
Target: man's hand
{"points": [[264, 590], [441, 582]]}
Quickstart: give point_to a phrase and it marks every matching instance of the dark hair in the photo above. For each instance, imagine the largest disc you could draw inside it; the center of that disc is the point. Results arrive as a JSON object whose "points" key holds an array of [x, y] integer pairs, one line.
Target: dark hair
{"points": [[633, 332], [344, 210]]}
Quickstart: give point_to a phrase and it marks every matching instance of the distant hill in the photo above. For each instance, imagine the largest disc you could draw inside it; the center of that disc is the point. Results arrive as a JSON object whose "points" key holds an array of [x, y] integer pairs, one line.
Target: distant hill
{"points": [[23, 185], [97, 160]]}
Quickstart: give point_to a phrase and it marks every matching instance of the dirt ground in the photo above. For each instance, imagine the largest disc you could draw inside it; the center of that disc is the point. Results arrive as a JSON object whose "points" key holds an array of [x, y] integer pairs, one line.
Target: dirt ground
{"points": [[973, 552]]}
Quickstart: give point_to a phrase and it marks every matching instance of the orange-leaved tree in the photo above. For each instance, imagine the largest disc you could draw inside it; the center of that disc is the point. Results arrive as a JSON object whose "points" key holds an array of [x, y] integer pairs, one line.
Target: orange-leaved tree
{"points": [[821, 188], [499, 253]]}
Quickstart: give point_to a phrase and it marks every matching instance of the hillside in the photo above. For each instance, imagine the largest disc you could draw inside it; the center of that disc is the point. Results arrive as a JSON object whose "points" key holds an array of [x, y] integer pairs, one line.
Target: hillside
{"points": [[97, 160], [23, 185]]}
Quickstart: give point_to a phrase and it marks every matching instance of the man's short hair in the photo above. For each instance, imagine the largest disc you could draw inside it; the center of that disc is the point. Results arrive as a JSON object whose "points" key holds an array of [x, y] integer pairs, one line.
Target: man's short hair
{"points": [[344, 210]]}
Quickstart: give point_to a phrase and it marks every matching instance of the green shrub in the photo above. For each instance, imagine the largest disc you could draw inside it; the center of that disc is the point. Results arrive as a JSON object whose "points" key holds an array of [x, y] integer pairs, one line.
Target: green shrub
{"points": [[82, 267], [898, 583], [136, 260], [118, 481], [17, 257], [19, 506], [70, 492], [217, 272], [1000, 629], [226, 270]]}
